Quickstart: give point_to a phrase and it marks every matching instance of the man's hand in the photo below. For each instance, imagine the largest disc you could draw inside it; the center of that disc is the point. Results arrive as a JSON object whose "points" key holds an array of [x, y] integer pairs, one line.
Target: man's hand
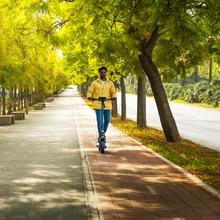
{"points": [[90, 98]]}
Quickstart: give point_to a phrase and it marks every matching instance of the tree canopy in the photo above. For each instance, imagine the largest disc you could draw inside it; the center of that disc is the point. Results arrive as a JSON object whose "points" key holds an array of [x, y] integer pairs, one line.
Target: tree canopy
{"points": [[45, 43], [93, 32]]}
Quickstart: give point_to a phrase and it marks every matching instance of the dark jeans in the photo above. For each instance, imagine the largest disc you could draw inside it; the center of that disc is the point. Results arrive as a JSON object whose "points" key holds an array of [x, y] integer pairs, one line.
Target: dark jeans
{"points": [[102, 129]]}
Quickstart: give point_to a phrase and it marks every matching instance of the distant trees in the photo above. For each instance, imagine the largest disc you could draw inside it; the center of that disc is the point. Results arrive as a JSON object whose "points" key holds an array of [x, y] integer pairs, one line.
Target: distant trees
{"points": [[29, 65]]}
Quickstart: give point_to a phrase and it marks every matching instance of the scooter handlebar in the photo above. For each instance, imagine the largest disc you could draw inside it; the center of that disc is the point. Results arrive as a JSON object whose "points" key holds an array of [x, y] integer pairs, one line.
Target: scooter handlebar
{"points": [[101, 99]]}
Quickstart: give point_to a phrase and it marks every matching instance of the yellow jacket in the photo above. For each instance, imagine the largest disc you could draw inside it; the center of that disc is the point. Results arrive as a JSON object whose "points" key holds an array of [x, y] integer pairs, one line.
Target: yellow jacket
{"points": [[97, 90]]}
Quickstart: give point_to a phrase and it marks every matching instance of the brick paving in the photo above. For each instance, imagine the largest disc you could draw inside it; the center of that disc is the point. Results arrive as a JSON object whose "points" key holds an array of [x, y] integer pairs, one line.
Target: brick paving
{"points": [[134, 183]]}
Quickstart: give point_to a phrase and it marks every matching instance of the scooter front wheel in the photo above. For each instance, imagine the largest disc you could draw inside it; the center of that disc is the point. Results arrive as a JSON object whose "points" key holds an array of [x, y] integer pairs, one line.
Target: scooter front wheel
{"points": [[102, 147], [102, 150]]}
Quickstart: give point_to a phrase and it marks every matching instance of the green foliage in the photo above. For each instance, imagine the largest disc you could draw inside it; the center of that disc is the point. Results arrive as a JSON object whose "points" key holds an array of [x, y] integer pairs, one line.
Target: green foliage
{"points": [[92, 33], [114, 33], [131, 84], [192, 92], [173, 90], [201, 92], [216, 82]]}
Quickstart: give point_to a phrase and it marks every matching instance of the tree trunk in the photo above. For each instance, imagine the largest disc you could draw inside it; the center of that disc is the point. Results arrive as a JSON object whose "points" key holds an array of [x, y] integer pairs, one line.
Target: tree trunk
{"points": [[3, 102], [0, 100], [141, 102], [36, 95], [167, 121], [22, 98], [78, 88], [15, 98], [31, 98], [196, 73], [123, 98], [82, 90], [114, 106], [84, 87], [40, 96], [19, 99], [43, 97], [10, 104], [210, 69], [26, 100]]}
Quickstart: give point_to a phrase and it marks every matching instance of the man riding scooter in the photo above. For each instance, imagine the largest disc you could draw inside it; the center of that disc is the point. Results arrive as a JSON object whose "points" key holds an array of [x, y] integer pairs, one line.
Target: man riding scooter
{"points": [[102, 88]]}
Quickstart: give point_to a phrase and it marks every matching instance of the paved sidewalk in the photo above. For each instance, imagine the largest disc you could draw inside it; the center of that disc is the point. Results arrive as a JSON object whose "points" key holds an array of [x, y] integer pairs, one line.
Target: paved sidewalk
{"points": [[41, 176], [133, 183]]}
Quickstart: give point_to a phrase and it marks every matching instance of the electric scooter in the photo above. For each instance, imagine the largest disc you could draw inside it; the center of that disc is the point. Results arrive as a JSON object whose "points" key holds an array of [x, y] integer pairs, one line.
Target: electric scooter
{"points": [[102, 140]]}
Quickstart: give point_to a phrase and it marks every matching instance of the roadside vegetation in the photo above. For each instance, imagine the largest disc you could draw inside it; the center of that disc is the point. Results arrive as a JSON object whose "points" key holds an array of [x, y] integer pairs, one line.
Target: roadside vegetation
{"points": [[193, 91]]}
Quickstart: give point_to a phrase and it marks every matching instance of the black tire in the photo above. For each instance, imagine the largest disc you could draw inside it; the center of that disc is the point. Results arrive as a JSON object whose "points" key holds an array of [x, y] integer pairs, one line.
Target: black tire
{"points": [[102, 150]]}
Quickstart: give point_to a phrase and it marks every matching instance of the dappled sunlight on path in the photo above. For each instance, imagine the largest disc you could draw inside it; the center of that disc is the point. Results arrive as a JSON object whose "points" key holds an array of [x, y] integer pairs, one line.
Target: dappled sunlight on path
{"points": [[41, 175]]}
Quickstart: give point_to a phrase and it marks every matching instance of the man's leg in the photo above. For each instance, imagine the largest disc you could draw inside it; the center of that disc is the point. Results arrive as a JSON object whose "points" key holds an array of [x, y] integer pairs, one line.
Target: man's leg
{"points": [[107, 115], [99, 120]]}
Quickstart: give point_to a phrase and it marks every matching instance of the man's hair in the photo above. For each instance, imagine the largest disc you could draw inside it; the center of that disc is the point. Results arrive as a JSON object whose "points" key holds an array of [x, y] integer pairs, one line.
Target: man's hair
{"points": [[102, 68]]}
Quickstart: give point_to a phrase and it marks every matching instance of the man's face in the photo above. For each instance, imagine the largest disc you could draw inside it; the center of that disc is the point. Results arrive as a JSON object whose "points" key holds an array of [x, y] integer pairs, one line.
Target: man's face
{"points": [[102, 74]]}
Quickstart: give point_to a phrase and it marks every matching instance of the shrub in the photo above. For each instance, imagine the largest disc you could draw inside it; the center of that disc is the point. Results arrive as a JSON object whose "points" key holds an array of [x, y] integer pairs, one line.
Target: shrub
{"points": [[187, 93], [216, 82], [214, 99], [200, 92], [174, 91]]}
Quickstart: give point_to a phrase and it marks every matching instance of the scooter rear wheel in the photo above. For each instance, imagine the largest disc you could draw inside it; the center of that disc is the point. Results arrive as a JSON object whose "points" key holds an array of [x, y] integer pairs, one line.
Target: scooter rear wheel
{"points": [[102, 150]]}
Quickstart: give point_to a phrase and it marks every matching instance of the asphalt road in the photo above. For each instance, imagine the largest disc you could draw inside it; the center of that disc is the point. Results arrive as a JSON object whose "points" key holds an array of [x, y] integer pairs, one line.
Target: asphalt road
{"points": [[199, 124]]}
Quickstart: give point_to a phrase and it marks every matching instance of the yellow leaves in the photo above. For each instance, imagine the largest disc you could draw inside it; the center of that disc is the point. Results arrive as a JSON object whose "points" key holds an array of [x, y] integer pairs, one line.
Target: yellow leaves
{"points": [[93, 63], [77, 47], [24, 53]]}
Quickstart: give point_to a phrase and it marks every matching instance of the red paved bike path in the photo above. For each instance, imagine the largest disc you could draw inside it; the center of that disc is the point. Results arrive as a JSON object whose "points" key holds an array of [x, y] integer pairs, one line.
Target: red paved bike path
{"points": [[131, 182]]}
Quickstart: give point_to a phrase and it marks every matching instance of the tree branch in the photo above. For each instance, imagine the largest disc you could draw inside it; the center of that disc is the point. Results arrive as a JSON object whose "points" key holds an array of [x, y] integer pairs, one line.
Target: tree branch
{"points": [[152, 41]]}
